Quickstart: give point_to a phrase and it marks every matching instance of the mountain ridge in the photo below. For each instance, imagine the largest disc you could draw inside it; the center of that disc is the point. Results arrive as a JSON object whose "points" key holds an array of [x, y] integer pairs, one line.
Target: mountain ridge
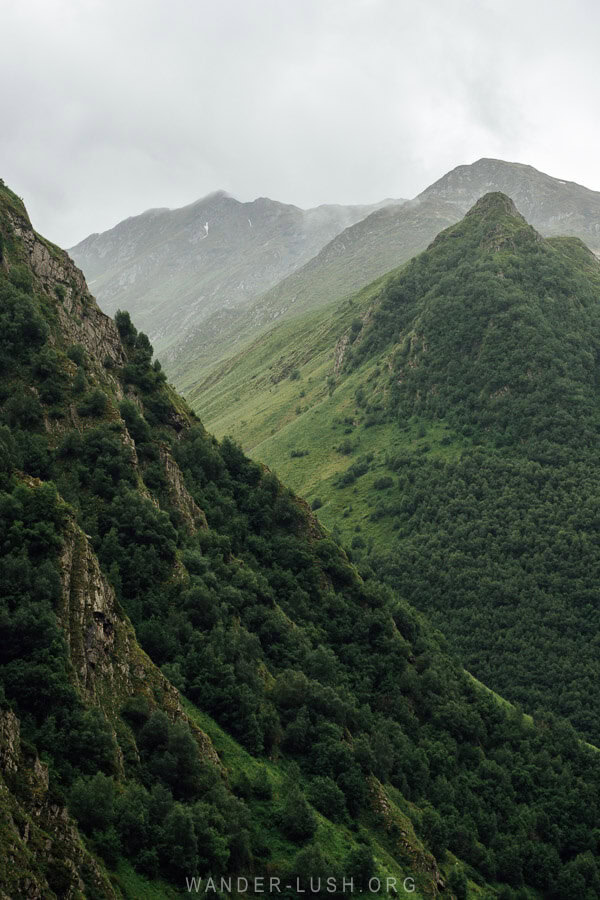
{"points": [[381, 242], [216, 252]]}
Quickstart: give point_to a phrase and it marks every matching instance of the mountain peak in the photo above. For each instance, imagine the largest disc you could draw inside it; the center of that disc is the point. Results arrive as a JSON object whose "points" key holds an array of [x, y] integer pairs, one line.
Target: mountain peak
{"points": [[491, 223], [495, 203], [479, 320], [208, 198]]}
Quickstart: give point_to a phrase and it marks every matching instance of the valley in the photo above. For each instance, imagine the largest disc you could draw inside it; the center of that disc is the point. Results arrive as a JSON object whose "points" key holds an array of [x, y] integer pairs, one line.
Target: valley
{"points": [[206, 681]]}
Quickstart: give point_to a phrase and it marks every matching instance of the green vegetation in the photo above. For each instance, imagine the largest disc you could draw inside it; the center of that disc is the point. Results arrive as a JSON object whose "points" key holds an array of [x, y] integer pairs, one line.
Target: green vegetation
{"points": [[456, 457], [350, 739]]}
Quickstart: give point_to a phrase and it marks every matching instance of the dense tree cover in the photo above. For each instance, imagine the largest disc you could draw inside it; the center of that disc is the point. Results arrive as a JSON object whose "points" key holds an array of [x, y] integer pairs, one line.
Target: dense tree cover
{"points": [[34, 672], [496, 332], [263, 622], [505, 553], [173, 815]]}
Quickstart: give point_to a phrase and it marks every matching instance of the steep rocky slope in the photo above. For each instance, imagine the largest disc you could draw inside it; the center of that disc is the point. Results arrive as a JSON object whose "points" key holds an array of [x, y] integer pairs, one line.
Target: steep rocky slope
{"points": [[43, 850]]}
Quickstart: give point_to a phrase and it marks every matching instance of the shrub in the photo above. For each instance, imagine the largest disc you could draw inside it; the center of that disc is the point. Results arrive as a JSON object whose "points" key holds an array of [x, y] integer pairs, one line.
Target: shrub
{"points": [[298, 821], [346, 447], [93, 404], [383, 483], [76, 352], [262, 787], [325, 795]]}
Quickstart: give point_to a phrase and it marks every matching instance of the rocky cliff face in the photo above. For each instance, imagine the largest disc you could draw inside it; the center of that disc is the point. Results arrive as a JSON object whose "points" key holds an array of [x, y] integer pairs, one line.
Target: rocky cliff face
{"points": [[43, 852], [43, 856], [108, 664], [179, 496], [81, 321]]}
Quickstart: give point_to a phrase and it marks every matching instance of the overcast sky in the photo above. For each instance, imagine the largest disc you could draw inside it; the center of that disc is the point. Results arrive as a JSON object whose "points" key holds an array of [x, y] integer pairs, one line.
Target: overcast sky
{"points": [[109, 107]]}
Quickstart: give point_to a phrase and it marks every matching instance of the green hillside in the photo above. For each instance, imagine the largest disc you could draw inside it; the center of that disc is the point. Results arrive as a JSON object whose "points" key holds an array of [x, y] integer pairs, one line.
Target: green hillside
{"points": [[383, 240], [444, 424], [197, 681]]}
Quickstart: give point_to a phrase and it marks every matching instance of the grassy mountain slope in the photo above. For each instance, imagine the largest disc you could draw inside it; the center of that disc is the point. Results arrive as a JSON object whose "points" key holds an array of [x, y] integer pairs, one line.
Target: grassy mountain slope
{"points": [[212, 685], [444, 422], [384, 240], [173, 268]]}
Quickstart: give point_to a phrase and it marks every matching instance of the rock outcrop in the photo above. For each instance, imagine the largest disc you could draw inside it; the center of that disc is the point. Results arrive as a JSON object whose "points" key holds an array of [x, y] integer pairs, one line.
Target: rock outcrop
{"points": [[44, 856], [80, 319], [180, 497], [109, 666]]}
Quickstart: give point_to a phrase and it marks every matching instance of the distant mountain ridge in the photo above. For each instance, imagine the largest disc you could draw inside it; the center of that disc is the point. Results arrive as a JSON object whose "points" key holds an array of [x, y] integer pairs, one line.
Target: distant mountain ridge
{"points": [[172, 268], [203, 298], [389, 237], [553, 206], [382, 241]]}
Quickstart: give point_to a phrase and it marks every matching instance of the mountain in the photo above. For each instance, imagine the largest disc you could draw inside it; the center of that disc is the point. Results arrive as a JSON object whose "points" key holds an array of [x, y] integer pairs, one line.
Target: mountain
{"points": [[173, 268], [390, 236], [384, 240], [195, 679], [351, 260], [551, 205], [444, 422]]}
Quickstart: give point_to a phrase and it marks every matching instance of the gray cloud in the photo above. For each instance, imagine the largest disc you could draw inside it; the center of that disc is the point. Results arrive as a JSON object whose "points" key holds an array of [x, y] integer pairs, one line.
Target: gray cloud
{"points": [[113, 106]]}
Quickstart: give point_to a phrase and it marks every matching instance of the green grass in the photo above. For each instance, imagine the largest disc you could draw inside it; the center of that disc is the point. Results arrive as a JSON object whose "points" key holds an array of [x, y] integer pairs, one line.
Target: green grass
{"points": [[134, 886], [274, 416]]}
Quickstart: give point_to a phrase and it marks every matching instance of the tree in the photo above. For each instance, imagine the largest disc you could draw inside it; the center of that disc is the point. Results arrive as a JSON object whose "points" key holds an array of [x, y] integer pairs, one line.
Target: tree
{"points": [[262, 787], [326, 796], [457, 883], [92, 802], [361, 867], [435, 831], [178, 842], [126, 328], [298, 821]]}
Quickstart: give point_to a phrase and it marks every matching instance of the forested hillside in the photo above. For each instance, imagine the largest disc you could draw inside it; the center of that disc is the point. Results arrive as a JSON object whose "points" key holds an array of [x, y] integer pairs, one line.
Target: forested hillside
{"points": [[196, 671], [446, 424]]}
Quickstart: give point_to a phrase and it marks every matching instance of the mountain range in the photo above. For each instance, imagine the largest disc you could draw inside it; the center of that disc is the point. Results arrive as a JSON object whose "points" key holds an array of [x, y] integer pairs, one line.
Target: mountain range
{"points": [[195, 331], [173, 268], [197, 680]]}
